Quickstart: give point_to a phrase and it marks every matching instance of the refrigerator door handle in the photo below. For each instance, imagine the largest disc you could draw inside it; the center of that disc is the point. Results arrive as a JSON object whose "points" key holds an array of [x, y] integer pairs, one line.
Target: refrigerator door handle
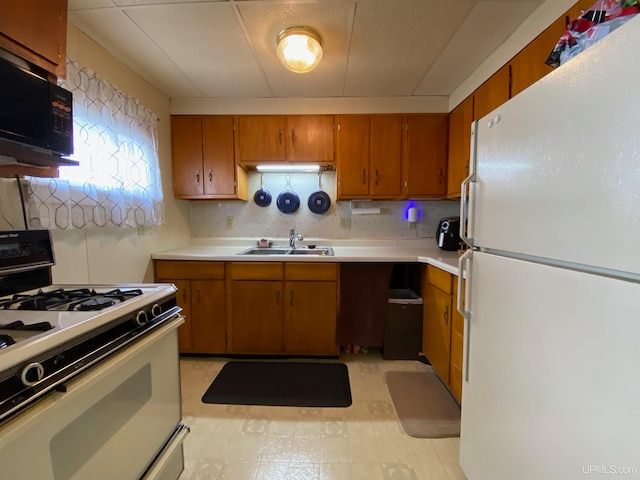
{"points": [[466, 203], [465, 259]]}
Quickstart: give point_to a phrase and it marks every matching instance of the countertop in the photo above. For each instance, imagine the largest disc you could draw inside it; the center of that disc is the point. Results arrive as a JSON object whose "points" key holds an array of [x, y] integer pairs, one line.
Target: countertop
{"points": [[421, 250]]}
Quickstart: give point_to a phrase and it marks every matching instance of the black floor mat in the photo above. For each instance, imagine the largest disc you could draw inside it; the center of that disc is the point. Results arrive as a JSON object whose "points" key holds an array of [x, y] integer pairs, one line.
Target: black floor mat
{"points": [[293, 384]]}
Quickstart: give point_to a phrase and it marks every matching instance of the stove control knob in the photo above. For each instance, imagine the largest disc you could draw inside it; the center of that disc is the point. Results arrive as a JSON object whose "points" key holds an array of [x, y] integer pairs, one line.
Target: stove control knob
{"points": [[142, 317], [32, 374], [156, 310]]}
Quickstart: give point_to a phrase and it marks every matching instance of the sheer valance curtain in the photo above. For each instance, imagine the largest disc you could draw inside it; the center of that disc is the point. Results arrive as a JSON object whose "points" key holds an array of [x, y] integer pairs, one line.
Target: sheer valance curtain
{"points": [[118, 181]]}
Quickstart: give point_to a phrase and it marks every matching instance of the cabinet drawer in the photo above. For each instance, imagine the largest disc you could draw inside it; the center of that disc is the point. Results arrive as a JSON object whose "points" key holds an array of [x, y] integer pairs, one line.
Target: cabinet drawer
{"points": [[180, 269], [311, 271], [256, 270], [439, 279]]}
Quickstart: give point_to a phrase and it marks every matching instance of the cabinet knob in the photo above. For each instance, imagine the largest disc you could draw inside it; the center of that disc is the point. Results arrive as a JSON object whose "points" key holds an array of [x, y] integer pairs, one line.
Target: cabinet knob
{"points": [[446, 314], [376, 176], [210, 176], [280, 136], [198, 177], [364, 176], [293, 141], [291, 297], [440, 176]]}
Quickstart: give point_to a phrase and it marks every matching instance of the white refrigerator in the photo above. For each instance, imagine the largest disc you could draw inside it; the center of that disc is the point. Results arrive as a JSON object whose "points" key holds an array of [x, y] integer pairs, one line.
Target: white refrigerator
{"points": [[551, 375]]}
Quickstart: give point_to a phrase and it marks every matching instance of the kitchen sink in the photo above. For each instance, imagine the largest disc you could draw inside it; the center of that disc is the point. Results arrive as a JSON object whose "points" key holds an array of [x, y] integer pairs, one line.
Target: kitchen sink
{"points": [[307, 250]]}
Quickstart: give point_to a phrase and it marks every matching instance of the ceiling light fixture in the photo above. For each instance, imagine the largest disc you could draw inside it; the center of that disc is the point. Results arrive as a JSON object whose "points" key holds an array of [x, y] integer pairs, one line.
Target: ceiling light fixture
{"points": [[299, 49]]}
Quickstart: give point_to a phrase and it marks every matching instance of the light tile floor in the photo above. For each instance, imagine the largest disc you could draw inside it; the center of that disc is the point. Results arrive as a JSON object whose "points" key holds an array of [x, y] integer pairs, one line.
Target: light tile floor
{"points": [[363, 441]]}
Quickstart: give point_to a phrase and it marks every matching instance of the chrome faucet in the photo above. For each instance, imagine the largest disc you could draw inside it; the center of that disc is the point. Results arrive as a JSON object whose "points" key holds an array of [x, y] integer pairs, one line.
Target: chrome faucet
{"points": [[293, 236]]}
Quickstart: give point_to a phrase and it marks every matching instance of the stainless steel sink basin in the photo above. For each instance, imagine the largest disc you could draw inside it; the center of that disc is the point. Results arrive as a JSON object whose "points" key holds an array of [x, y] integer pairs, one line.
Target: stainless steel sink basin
{"points": [[318, 251], [312, 251], [264, 251]]}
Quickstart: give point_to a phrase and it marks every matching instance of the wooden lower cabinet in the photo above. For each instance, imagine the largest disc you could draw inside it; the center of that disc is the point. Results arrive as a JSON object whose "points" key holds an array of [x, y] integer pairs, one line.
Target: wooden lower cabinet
{"points": [[457, 341], [208, 318], [443, 327], [277, 308], [311, 307], [201, 294]]}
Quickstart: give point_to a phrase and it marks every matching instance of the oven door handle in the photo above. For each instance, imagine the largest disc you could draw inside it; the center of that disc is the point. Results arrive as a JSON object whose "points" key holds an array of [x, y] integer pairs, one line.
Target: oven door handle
{"points": [[163, 460]]}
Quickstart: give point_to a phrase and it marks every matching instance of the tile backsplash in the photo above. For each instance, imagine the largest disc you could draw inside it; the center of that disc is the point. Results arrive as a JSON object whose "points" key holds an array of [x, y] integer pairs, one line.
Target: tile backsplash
{"points": [[246, 219]]}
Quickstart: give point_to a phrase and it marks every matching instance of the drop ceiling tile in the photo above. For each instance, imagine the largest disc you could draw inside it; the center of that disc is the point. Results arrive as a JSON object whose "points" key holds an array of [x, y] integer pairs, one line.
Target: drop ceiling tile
{"points": [[207, 43], [478, 37], [114, 31], [331, 19], [393, 47]]}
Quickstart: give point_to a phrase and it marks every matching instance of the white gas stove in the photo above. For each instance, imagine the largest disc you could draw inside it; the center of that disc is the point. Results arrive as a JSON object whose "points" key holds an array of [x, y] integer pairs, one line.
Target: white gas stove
{"points": [[89, 374], [35, 331]]}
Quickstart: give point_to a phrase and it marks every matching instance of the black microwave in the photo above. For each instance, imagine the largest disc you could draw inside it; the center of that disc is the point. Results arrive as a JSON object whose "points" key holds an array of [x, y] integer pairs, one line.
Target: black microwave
{"points": [[36, 116]]}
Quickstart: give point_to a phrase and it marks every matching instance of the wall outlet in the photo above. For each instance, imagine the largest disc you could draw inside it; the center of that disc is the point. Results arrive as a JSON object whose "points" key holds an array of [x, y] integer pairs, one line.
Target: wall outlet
{"points": [[345, 222], [229, 223]]}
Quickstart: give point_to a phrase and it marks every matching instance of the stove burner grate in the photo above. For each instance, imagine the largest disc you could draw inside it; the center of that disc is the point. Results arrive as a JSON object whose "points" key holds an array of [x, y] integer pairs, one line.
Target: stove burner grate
{"points": [[7, 340], [80, 299]]}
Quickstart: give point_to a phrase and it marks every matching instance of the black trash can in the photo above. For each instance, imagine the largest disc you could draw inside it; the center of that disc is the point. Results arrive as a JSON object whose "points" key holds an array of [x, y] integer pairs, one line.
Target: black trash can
{"points": [[403, 332]]}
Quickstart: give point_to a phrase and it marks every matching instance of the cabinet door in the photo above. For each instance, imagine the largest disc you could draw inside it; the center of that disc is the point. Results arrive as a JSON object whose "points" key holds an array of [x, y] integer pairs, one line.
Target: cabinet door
{"points": [[186, 155], [208, 312], [261, 138], [460, 120], [310, 138], [436, 330], [218, 159], [426, 155], [352, 152], [385, 156], [36, 30], [457, 335], [492, 93], [183, 298], [256, 317], [310, 318]]}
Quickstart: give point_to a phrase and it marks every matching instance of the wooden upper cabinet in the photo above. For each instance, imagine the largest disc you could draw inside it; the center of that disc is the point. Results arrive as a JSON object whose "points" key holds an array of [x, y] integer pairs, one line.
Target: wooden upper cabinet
{"points": [[529, 66], [369, 153], [492, 93], [276, 138], [203, 164], [425, 155], [36, 30], [460, 120], [261, 138], [385, 155], [310, 138], [218, 159], [186, 155], [352, 153]]}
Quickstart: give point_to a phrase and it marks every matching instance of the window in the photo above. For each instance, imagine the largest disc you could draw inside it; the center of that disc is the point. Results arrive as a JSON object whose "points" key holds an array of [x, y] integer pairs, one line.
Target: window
{"points": [[118, 180]]}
